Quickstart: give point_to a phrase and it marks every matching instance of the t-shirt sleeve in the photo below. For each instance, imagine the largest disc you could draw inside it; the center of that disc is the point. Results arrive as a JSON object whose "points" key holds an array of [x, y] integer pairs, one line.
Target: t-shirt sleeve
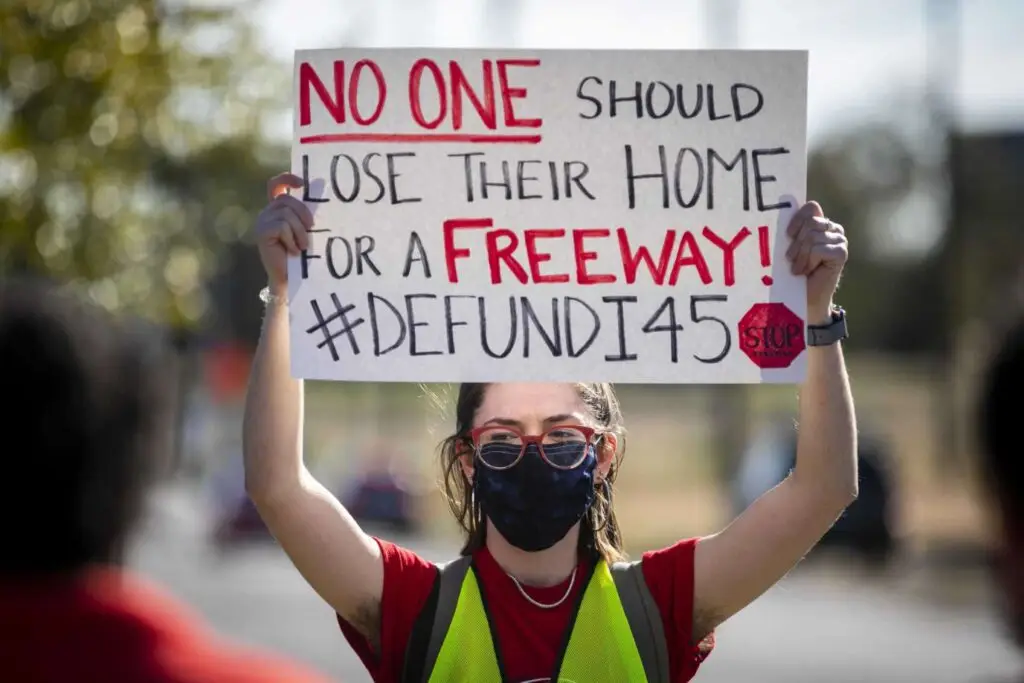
{"points": [[408, 581], [669, 576]]}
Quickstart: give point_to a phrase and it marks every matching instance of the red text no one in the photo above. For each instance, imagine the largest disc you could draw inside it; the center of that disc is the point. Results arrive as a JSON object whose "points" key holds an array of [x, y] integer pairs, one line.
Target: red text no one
{"points": [[452, 89]]}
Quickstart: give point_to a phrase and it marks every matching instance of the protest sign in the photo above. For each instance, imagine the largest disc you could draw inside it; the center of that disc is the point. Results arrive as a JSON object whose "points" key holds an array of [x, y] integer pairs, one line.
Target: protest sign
{"points": [[549, 215]]}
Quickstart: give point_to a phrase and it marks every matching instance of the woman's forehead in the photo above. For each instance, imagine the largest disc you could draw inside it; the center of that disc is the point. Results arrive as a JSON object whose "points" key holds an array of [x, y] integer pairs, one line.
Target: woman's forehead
{"points": [[528, 402]]}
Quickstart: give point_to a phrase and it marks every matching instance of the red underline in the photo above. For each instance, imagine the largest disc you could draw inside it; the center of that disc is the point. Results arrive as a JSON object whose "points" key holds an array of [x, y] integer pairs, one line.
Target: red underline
{"points": [[421, 137]]}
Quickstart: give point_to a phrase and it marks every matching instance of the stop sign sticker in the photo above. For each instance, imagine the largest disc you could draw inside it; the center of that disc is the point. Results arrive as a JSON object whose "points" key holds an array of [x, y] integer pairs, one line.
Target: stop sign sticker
{"points": [[771, 335]]}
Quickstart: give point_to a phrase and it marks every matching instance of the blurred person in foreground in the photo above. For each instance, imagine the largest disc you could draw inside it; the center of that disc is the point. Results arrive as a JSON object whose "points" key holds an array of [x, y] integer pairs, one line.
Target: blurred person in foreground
{"points": [[84, 430], [1003, 467]]}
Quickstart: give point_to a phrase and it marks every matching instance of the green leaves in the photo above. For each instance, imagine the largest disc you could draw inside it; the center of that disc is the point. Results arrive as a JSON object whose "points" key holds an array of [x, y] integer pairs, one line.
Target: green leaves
{"points": [[130, 146]]}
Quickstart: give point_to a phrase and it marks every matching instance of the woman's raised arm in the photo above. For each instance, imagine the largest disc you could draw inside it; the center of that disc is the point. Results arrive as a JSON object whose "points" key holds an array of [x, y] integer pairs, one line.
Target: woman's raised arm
{"points": [[735, 566], [339, 560]]}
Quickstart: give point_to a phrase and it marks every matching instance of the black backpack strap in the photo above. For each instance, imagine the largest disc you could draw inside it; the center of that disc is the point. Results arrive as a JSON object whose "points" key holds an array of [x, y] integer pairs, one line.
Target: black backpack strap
{"points": [[432, 623], [644, 619], [416, 648]]}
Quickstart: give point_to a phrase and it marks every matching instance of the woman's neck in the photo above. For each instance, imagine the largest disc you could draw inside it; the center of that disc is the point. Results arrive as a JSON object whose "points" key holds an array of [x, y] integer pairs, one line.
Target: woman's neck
{"points": [[543, 568]]}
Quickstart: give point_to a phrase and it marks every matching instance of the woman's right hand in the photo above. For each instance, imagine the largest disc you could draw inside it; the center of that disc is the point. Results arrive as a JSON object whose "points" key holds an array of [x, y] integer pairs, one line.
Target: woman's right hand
{"points": [[282, 229]]}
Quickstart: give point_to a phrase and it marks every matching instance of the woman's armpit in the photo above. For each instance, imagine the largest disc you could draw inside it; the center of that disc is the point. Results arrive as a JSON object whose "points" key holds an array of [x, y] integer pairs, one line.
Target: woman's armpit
{"points": [[366, 620]]}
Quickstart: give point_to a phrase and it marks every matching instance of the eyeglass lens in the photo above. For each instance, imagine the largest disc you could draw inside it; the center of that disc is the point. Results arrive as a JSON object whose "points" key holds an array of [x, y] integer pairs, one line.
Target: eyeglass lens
{"points": [[562, 447]]}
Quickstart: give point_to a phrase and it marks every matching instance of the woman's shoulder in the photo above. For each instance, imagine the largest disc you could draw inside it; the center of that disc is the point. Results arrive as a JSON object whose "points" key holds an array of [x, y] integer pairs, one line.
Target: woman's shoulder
{"points": [[399, 558], [409, 579], [668, 573], [672, 558]]}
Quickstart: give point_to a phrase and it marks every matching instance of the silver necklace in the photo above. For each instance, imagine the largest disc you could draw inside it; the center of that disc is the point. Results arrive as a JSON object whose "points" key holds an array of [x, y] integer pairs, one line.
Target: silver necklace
{"points": [[572, 580]]}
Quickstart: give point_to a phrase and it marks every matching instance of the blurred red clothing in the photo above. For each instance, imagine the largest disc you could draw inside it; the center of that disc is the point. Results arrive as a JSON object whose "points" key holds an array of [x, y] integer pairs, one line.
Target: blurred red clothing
{"points": [[108, 625]]}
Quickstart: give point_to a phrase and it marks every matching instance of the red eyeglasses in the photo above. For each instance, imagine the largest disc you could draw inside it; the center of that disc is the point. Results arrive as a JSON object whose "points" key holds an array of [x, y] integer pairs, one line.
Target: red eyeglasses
{"points": [[563, 447]]}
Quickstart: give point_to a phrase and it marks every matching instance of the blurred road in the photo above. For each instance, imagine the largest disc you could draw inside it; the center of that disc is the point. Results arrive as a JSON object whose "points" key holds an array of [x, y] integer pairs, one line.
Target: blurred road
{"points": [[809, 629]]}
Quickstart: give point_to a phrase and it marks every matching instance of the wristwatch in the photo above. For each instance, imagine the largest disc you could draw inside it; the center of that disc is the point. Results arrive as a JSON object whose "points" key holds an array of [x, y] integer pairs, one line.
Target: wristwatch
{"points": [[830, 333]]}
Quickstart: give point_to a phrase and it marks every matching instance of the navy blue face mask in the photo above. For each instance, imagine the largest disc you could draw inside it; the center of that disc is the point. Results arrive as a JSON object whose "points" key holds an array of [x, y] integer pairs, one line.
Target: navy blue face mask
{"points": [[532, 504]]}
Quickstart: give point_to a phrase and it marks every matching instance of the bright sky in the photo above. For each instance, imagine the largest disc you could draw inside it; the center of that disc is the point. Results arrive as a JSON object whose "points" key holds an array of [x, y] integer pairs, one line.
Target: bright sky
{"points": [[865, 55]]}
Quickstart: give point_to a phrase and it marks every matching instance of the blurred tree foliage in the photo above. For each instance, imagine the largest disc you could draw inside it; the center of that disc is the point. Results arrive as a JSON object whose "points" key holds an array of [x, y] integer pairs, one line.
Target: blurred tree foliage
{"points": [[131, 145], [917, 301], [862, 178]]}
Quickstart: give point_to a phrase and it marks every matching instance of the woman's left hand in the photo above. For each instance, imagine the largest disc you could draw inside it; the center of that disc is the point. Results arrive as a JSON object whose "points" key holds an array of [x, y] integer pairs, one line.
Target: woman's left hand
{"points": [[819, 250]]}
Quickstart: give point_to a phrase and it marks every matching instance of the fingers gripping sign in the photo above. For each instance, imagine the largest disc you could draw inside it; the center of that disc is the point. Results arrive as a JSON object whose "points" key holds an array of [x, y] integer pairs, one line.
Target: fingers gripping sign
{"points": [[819, 250], [282, 183], [282, 229]]}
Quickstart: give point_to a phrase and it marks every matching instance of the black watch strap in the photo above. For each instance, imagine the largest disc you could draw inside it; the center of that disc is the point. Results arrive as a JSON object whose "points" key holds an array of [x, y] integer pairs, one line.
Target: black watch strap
{"points": [[828, 334]]}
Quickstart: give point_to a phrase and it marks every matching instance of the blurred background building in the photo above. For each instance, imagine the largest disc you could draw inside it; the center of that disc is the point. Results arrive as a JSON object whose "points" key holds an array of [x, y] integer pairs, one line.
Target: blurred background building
{"points": [[135, 141]]}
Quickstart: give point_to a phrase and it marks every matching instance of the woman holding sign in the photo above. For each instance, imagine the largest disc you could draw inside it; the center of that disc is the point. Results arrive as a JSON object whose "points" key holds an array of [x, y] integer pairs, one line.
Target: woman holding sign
{"points": [[541, 591]]}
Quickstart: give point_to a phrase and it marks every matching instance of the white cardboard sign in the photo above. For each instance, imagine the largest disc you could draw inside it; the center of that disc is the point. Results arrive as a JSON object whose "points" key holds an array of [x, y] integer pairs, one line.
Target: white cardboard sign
{"points": [[555, 215]]}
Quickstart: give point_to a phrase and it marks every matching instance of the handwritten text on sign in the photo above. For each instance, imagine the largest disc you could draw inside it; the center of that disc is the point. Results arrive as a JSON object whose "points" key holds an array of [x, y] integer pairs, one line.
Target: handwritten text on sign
{"points": [[551, 215]]}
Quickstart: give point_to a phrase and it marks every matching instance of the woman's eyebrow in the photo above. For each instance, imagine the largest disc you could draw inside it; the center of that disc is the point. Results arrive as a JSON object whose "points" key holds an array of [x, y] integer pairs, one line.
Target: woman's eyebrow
{"points": [[553, 419], [503, 421], [563, 417]]}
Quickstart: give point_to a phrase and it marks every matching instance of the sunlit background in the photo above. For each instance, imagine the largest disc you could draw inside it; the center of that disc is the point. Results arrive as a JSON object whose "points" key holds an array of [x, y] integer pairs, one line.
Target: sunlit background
{"points": [[135, 141]]}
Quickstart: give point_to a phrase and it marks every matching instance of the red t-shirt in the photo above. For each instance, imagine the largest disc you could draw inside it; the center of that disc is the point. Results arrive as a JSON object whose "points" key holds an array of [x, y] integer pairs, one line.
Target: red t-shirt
{"points": [[105, 625], [529, 637]]}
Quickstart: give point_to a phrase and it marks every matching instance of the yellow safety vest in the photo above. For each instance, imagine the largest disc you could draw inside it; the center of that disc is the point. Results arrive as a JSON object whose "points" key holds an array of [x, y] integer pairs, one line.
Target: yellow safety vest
{"points": [[617, 634]]}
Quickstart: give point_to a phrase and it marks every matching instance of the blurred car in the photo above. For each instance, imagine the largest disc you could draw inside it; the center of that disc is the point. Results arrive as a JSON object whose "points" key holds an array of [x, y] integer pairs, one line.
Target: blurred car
{"points": [[377, 497], [866, 527], [376, 500], [235, 518], [380, 496], [240, 523]]}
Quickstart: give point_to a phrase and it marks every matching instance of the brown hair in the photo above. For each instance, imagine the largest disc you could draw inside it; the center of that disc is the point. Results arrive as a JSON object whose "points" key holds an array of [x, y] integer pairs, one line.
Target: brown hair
{"points": [[599, 530]]}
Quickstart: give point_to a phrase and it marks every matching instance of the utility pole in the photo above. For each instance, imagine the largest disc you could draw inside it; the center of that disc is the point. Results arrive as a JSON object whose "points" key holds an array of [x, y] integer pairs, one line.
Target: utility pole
{"points": [[729, 404], [502, 19], [942, 19], [721, 21]]}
